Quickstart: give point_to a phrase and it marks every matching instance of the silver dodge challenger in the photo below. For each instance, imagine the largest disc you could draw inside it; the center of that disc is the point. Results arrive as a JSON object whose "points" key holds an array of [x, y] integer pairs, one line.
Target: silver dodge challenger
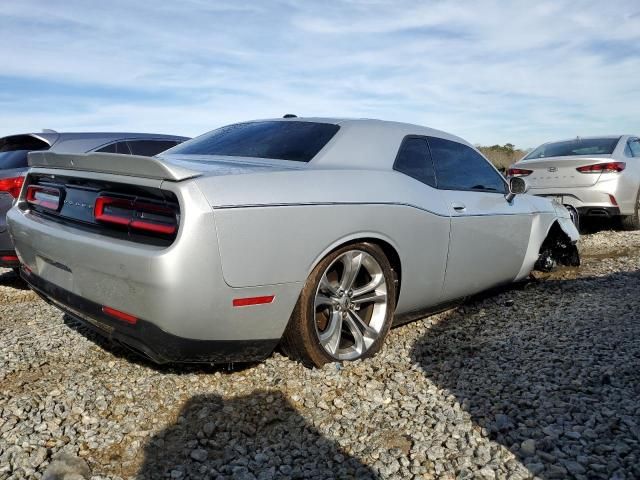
{"points": [[314, 234]]}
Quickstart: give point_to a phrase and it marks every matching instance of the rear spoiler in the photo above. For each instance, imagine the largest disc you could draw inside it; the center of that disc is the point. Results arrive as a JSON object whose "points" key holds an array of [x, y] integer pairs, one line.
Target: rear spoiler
{"points": [[115, 163]]}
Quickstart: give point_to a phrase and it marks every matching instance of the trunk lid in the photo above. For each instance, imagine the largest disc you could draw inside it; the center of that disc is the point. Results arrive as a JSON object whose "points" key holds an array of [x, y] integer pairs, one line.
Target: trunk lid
{"points": [[560, 172]]}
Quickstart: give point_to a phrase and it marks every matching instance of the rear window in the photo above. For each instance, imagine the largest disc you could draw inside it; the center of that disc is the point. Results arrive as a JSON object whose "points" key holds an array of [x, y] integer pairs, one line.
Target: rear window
{"points": [[14, 149], [280, 140], [579, 146]]}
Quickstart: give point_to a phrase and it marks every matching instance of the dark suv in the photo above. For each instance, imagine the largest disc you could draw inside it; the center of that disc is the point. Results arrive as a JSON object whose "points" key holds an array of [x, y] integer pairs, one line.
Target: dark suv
{"points": [[13, 163]]}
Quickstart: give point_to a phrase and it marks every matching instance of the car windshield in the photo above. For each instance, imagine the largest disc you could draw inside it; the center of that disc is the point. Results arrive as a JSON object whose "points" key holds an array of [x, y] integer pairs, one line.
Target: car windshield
{"points": [[280, 140], [579, 146]]}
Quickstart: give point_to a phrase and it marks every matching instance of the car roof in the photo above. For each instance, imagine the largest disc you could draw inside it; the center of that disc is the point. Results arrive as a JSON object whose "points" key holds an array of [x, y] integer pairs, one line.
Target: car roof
{"points": [[94, 138], [586, 137], [366, 143], [372, 123], [82, 142]]}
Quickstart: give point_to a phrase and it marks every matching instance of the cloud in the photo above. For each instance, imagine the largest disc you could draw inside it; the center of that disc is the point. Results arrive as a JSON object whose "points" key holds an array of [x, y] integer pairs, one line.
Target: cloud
{"points": [[489, 71]]}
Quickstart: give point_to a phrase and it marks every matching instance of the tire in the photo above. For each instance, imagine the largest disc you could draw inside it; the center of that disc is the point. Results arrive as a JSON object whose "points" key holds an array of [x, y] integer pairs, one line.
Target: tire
{"points": [[325, 323], [632, 222]]}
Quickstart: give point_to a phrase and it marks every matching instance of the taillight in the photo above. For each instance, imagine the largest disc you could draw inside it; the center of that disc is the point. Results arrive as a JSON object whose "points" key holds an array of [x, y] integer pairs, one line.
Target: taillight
{"points": [[518, 172], [138, 215], [609, 167], [46, 197], [11, 185]]}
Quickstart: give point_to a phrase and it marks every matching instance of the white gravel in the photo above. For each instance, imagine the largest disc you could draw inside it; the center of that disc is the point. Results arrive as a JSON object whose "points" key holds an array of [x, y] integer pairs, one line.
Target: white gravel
{"points": [[539, 380]]}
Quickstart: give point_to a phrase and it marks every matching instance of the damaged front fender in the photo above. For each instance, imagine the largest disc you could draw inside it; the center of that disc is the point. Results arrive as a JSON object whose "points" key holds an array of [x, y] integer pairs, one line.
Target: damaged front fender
{"points": [[559, 248]]}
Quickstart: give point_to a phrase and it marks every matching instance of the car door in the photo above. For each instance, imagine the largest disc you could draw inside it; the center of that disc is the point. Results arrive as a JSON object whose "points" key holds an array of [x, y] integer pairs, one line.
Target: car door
{"points": [[489, 235], [428, 245]]}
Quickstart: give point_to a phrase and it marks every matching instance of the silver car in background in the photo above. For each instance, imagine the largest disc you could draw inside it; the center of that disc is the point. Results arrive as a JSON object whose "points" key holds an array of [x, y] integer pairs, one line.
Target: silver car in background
{"points": [[592, 176], [316, 234], [13, 163]]}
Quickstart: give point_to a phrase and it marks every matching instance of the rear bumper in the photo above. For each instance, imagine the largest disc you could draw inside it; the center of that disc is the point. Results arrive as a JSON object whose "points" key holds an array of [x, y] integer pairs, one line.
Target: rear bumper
{"points": [[179, 289], [606, 212], [607, 198], [145, 337]]}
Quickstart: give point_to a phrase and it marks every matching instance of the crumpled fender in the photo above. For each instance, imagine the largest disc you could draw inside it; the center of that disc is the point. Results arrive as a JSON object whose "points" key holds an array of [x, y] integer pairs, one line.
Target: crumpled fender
{"points": [[569, 228]]}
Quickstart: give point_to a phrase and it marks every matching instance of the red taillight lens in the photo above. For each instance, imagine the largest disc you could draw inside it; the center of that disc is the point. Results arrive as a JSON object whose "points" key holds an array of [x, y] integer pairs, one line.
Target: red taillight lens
{"points": [[518, 172], [11, 185], [142, 216], [9, 258], [125, 317], [45, 197], [609, 167]]}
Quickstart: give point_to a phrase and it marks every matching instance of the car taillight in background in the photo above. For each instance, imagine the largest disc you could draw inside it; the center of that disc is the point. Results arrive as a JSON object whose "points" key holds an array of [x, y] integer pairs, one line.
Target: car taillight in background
{"points": [[135, 214], [518, 172], [609, 167], [12, 185], [45, 197]]}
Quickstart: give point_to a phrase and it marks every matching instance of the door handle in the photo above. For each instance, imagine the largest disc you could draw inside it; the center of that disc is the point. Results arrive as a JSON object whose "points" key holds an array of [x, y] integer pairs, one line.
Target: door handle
{"points": [[458, 207]]}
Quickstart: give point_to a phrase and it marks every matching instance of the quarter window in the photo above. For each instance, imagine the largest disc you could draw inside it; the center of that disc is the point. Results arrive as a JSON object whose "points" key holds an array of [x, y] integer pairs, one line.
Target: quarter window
{"points": [[635, 147], [459, 167], [117, 147], [414, 159], [627, 149], [149, 148]]}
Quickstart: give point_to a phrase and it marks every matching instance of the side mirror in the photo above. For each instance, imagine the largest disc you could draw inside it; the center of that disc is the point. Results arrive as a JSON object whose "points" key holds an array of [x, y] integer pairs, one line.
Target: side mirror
{"points": [[517, 186]]}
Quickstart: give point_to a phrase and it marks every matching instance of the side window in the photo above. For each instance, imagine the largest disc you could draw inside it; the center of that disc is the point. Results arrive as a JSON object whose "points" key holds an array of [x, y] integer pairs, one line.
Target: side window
{"points": [[414, 159], [118, 147], [459, 167], [635, 147], [149, 148]]}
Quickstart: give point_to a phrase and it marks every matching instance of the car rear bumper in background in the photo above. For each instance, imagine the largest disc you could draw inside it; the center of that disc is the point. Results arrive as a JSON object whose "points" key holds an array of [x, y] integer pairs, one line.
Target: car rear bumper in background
{"points": [[607, 198], [143, 336]]}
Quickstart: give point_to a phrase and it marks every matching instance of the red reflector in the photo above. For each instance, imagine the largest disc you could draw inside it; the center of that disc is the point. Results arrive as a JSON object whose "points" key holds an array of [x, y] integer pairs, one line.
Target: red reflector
{"points": [[43, 196], [609, 167], [125, 317], [11, 185], [9, 258], [613, 200], [245, 302], [518, 172]]}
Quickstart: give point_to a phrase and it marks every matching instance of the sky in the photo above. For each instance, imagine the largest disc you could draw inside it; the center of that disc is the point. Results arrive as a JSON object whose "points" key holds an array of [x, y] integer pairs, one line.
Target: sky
{"points": [[491, 72]]}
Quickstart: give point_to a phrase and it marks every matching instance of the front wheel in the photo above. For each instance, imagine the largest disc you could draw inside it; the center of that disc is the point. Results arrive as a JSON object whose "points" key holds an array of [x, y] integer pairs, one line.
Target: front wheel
{"points": [[345, 309]]}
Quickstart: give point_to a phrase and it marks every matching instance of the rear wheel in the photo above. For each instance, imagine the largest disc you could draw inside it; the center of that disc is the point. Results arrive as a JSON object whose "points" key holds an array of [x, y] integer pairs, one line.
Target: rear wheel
{"points": [[345, 309], [632, 222]]}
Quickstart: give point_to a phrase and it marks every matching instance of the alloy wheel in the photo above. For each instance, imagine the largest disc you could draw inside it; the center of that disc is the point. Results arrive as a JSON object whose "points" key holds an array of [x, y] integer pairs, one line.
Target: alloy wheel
{"points": [[351, 304]]}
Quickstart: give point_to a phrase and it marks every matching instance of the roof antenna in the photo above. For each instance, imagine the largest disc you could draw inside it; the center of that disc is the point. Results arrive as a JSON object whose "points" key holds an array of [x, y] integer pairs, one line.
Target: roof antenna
{"points": [[289, 115], [48, 130]]}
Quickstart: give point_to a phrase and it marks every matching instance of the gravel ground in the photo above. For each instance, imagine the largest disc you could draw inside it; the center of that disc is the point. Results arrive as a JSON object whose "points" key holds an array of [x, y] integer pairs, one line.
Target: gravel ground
{"points": [[539, 380]]}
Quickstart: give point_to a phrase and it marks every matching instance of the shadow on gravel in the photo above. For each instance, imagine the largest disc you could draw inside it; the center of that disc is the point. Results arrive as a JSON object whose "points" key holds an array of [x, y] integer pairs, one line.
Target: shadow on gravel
{"points": [[256, 436], [554, 376], [10, 279], [121, 351]]}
